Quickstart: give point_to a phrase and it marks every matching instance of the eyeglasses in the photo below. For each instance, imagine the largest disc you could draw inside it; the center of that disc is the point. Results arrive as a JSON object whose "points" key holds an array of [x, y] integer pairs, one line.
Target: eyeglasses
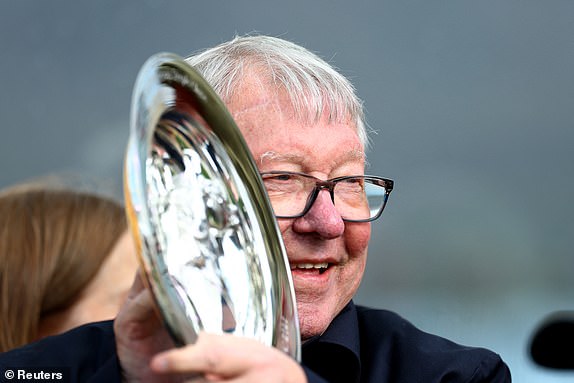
{"points": [[356, 198]]}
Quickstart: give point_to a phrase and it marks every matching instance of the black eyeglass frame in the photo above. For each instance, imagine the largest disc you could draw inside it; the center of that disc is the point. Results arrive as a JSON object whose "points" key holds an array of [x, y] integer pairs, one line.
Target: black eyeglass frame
{"points": [[330, 186]]}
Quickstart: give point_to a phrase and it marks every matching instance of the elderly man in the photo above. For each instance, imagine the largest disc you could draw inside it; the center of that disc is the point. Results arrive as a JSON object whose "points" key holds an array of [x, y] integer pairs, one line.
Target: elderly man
{"points": [[304, 126]]}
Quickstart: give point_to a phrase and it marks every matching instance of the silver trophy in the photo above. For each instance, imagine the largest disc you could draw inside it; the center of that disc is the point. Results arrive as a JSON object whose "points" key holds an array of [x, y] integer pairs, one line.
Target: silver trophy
{"points": [[206, 235]]}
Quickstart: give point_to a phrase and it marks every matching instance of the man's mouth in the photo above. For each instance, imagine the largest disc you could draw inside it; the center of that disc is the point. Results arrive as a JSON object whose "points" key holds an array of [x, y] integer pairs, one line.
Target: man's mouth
{"points": [[320, 267]]}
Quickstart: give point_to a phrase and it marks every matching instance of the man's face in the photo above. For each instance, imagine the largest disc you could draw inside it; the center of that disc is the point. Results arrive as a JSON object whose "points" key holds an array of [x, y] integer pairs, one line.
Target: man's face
{"points": [[278, 141]]}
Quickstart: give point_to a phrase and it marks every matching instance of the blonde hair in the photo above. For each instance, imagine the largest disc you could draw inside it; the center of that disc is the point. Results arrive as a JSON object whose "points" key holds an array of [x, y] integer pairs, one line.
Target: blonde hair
{"points": [[52, 243]]}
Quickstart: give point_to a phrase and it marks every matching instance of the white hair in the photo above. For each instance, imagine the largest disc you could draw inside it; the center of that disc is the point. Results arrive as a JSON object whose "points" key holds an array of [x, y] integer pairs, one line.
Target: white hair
{"points": [[313, 85]]}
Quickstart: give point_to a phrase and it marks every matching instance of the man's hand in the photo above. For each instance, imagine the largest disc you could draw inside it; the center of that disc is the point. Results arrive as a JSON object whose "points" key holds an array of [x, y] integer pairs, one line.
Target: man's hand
{"points": [[140, 335], [147, 353], [222, 358]]}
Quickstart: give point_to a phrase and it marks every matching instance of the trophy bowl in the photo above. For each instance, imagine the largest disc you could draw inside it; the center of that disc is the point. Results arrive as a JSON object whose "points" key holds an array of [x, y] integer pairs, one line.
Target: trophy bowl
{"points": [[208, 242]]}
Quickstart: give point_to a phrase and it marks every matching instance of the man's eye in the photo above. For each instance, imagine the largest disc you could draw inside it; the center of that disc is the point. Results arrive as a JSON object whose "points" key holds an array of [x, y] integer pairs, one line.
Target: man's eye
{"points": [[351, 184], [276, 181], [283, 177], [278, 178]]}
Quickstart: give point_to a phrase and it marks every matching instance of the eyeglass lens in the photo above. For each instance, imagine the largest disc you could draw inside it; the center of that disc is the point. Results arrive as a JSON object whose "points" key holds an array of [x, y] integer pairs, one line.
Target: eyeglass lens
{"points": [[355, 198]]}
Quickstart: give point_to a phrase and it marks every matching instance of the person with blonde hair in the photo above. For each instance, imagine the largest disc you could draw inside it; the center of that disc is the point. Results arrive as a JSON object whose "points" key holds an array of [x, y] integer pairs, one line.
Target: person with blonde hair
{"points": [[65, 259]]}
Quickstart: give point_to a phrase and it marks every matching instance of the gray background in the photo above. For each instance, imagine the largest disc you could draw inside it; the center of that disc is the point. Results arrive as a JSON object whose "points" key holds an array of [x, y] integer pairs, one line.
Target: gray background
{"points": [[472, 102]]}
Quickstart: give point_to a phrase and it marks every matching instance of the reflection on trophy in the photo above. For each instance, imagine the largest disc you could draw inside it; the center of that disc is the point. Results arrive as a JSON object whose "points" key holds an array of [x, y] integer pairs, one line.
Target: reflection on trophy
{"points": [[208, 242]]}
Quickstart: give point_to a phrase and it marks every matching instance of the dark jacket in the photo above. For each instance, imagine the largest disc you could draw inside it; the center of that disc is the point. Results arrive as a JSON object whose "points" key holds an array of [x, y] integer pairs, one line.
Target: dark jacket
{"points": [[378, 346], [361, 345]]}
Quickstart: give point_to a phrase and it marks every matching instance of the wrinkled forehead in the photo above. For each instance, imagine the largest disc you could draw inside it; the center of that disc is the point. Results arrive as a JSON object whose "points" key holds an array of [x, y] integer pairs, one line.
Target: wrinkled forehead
{"points": [[259, 89], [277, 134], [348, 155]]}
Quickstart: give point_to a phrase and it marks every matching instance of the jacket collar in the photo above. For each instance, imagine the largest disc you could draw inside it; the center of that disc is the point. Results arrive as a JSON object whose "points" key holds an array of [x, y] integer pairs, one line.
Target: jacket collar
{"points": [[335, 354]]}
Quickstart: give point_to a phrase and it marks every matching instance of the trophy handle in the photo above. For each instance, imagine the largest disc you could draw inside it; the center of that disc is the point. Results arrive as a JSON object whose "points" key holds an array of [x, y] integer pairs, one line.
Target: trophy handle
{"points": [[207, 239]]}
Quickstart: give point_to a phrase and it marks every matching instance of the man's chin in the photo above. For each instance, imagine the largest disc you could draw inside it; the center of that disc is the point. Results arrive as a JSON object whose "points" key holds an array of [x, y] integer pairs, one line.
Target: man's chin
{"points": [[313, 321]]}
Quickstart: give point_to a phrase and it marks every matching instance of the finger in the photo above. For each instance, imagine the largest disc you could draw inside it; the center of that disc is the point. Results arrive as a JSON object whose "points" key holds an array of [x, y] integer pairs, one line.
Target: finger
{"points": [[139, 305], [138, 284], [217, 355], [137, 317]]}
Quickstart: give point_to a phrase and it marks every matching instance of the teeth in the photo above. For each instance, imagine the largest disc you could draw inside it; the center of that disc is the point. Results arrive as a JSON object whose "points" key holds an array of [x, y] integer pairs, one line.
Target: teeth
{"points": [[310, 266]]}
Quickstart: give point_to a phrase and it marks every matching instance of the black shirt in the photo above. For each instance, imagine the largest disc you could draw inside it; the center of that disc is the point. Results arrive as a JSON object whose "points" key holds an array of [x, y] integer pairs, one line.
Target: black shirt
{"points": [[361, 345], [367, 346]]}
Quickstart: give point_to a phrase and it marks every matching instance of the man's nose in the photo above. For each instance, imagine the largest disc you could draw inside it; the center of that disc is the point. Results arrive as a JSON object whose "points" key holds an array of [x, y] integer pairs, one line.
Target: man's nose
{"points": [[322, 218]]}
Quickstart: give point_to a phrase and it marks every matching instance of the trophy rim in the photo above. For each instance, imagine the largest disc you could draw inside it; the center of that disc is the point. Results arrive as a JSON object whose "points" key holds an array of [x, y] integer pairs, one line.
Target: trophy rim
{"points": [[160, 80]]}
